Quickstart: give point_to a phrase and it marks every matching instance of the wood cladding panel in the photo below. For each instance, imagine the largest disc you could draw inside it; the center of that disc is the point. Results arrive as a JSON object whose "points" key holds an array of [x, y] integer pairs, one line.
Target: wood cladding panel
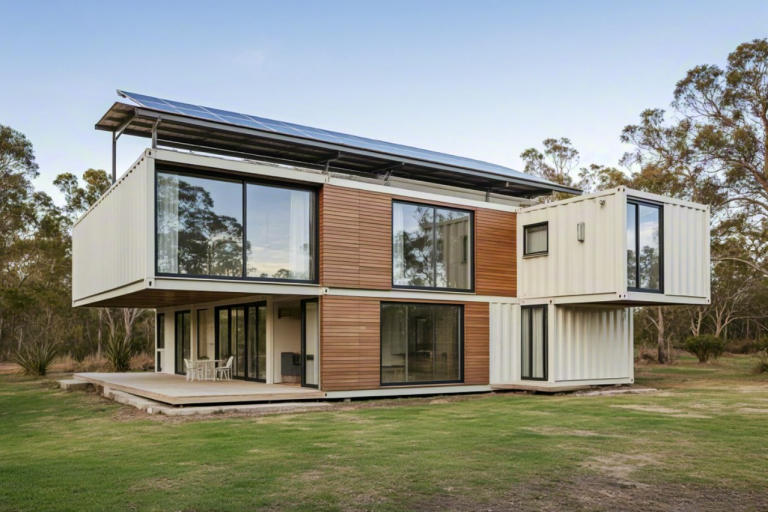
{"points": [[476, 343], [351, 348], [495, 253], [355, 238]]}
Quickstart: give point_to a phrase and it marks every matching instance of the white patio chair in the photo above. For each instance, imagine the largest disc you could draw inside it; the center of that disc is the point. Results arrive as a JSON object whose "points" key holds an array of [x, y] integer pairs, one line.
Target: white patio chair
{"points": [[193, 371], [225, 372]]}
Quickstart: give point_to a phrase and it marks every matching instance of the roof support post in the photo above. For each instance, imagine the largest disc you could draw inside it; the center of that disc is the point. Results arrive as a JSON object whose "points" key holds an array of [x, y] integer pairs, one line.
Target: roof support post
{"points": [[154, 132], [114, 157], [488, 194]]}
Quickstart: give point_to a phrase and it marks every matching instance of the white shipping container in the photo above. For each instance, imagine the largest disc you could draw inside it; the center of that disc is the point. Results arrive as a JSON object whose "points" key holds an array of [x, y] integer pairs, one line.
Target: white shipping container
{"points": [[586, 257]]}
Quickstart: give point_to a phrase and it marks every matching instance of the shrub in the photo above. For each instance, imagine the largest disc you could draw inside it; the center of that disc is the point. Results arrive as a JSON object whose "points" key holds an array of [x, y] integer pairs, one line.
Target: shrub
{"points": [[35, 359], [142, 362], [761, 366], [705, 347], [118, 352]]}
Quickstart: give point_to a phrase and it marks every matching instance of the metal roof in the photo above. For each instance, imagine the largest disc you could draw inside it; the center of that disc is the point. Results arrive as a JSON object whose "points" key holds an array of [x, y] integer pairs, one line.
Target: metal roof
{"points": [[194, 127]]}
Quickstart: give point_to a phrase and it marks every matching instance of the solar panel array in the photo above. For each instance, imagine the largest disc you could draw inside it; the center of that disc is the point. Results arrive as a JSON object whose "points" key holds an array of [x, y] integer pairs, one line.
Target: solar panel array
{"points": [[306, 132]]}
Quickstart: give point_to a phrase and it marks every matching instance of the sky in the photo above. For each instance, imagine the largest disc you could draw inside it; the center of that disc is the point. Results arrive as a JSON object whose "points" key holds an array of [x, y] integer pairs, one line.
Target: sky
{"points": [[482, 79]]}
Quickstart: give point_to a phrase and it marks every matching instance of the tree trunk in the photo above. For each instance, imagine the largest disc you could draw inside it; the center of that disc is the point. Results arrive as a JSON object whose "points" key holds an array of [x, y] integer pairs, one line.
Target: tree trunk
{"points": [[663, 356]]}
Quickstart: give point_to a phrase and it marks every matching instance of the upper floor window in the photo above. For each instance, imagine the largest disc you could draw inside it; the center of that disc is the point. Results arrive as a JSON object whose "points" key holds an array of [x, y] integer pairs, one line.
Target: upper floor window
{"points": [[644, 246], [431, 247], [536, 239], [223, 227]]}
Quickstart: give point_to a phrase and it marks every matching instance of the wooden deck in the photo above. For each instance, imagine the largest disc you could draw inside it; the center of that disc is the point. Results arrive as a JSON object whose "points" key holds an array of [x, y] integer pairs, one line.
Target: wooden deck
{"points": [[176, 390]]}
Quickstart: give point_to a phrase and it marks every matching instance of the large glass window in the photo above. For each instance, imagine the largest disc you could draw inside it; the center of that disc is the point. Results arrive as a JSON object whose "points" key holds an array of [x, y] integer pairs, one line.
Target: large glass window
{"points": [[202, 223], [421, 343], [644, 246], [279, 232], [431, 247], [199, 226]]}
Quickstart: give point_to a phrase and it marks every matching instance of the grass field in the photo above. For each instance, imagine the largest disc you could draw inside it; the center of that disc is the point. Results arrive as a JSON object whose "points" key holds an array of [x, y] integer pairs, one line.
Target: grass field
{"points": [[700, 443]]}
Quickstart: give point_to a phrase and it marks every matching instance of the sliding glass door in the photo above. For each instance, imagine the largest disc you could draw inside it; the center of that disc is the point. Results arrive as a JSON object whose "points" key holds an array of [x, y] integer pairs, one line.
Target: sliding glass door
{"points": [[241, 333], [534, 343], [182, 340]]}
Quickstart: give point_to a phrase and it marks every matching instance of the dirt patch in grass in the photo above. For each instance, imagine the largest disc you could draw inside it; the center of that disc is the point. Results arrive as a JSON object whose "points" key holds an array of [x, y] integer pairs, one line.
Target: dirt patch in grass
{"points": [[675, 413], [600, 494], [555, 431]]}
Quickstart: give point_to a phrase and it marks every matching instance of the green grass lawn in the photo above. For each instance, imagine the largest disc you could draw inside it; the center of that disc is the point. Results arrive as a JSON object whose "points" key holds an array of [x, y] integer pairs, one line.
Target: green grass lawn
{"points": [[699, 444]]}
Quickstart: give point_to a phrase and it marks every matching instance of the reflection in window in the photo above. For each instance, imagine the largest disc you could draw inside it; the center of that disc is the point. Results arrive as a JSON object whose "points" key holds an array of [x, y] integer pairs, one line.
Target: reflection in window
{"points": [[534, 343], [536, 239], [279, 232], [420, 343], [200, 228], [644, 246], [199, 225], [431, 247]]}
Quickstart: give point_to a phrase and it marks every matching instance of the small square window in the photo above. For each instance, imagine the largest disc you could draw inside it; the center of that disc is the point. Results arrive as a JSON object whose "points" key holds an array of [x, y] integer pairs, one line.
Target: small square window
{"points": [[536, 239]]}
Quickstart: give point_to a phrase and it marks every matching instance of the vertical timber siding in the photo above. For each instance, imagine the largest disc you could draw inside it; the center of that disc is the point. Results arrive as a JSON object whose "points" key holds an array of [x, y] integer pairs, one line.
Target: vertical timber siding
{"points": [[355, 238], [496, 253], [351, 344], [476, 342]]}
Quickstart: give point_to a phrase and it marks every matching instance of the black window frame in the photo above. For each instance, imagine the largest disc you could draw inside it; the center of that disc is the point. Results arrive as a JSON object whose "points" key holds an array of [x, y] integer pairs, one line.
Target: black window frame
{"points": [[423, 383], [159, 341], [660, 207], [545, 332], [244, 181], [246, 353], [471, 253], [525, 239], [177, 352]]}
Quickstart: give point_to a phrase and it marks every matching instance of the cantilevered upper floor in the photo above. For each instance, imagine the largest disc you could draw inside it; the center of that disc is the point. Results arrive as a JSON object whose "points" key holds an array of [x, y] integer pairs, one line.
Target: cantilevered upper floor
{"points": [[619, 246]]}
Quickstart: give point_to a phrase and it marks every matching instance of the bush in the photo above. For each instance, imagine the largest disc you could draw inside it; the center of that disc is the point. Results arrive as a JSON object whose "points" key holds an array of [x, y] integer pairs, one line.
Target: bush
{"points": [[761, 354], [118, 352], [35, 359], [705, 347], [142, 362]]}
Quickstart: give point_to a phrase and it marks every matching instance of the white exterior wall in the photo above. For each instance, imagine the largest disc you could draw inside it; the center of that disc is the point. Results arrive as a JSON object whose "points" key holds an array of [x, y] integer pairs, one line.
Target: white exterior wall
{"points": [[571, 267], [587, 345], [592, 343], [109, 242], [595, 270]]}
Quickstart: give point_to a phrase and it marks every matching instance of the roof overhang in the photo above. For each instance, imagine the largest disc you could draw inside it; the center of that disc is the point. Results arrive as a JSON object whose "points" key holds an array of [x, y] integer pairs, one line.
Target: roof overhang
{"points": [[189, 133]]}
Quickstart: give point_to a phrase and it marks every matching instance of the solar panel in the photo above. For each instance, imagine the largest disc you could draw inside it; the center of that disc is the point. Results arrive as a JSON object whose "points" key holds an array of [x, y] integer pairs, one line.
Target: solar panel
{"points": [[307, 132]]}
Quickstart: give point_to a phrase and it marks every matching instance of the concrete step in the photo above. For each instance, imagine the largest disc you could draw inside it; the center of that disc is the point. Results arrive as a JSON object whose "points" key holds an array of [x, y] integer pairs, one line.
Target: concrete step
{"points": [[141, 403], [75, 385]]}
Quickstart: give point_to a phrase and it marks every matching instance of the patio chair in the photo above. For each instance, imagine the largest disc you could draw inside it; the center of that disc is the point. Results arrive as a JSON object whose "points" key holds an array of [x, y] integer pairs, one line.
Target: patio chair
{"points": [[225, 372], [193, 371]]}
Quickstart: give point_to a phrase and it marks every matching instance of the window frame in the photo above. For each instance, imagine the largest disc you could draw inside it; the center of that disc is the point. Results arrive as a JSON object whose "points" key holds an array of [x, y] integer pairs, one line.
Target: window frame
{"points": [[431, 382], [471, 248], [545, 332], [178, 349], [660, 207], [314, 223], [545, 252]]}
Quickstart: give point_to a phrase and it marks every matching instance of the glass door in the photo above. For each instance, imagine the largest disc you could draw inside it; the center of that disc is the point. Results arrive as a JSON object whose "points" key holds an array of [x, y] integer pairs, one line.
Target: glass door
{"points": [[310, 343], [257, 342], [241, 333], [183, 340], [534, 343]]}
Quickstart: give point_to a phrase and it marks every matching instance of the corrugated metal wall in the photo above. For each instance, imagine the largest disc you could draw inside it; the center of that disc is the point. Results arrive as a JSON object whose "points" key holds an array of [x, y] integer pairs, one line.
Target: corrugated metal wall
{"points": [[573, 267], [592, 343], [505, 343], [109, 243], [686, 251]]}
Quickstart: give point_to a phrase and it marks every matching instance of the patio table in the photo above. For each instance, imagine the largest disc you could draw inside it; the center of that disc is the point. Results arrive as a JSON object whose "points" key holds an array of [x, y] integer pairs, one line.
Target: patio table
{"points": [[208, 366]]}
